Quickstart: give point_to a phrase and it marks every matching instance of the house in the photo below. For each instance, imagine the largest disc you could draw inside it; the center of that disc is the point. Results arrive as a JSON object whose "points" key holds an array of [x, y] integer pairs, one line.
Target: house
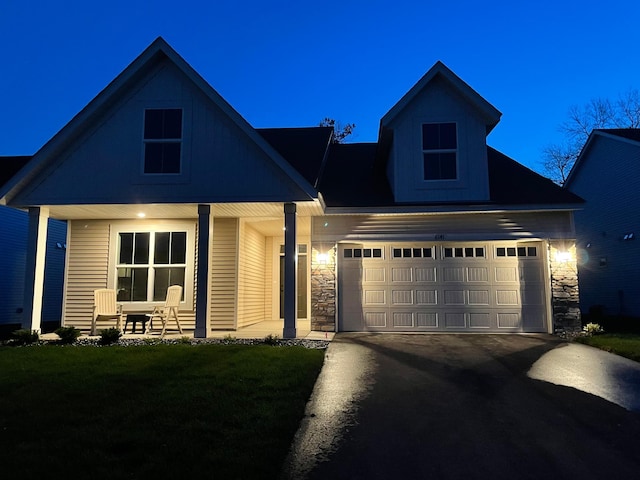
{"points": [[13, 245], [607, 175], [162, 182]]}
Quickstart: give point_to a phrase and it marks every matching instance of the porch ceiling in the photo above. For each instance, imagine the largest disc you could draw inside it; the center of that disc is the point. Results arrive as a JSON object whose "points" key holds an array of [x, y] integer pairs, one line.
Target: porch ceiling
{"points": [[267, 218]]}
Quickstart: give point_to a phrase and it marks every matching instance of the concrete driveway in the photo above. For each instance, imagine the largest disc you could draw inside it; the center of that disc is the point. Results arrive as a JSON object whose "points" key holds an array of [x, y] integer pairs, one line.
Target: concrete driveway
{"points": [[390, 406]]}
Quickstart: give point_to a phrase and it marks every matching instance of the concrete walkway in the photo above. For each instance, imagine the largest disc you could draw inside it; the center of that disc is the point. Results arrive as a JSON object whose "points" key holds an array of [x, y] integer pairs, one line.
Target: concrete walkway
{"points": [[466, 406]]}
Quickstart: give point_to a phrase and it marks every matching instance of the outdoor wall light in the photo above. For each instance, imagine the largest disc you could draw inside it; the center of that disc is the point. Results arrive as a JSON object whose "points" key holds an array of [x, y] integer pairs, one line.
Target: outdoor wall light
{"points": [[563, 256], [323, 258]]}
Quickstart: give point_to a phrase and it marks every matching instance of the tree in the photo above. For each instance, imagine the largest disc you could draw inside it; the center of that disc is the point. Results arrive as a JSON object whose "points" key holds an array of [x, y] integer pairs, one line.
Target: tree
{"points": [[558, 158], [340, 131]]}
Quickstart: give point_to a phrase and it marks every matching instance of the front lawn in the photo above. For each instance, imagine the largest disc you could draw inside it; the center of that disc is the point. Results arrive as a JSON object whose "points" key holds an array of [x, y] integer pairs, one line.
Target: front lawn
{"points": [[151, 411], [625, 345]]}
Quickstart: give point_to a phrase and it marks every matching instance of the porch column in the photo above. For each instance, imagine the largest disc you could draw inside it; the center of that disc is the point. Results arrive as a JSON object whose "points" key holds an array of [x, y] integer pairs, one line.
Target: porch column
{"points": [[290, 270], [34, 275], [205, 235]]}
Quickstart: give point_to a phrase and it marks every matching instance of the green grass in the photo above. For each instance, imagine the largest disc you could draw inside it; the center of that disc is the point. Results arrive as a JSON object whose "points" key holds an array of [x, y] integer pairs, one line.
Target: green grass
{"points": [[625, 345], [155, 411]]}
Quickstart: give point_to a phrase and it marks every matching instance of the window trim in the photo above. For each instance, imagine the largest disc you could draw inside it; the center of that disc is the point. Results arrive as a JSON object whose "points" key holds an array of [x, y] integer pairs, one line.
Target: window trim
{"points": [[439, 150], [153, 227]]}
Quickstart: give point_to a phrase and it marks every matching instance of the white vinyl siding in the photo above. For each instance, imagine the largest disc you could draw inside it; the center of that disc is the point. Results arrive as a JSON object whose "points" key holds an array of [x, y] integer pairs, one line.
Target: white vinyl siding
{"points": [[251, 267], [224, 274], [88, 269]]}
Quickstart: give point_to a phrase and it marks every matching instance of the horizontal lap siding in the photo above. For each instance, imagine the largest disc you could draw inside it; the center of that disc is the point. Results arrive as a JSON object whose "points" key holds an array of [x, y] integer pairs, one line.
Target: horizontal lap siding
{"points": [[87, 270], [252, 277], [224, 275], [489, 226], [88, 263]]}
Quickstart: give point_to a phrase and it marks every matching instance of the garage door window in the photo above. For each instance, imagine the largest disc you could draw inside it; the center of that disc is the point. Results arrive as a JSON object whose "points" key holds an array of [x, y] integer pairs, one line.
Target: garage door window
{"points": [[426, 252], [362, 253], [516, 252], [463, 252]]}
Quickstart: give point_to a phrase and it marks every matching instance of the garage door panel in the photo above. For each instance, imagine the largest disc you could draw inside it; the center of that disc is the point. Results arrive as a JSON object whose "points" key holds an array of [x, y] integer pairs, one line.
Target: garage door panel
{"points": [[402, 274], [402, 297], [454, 320], [426, 297], [507, 297], [480, 320], [374, 297], [454, 297], [478, 297], [403, 320], [375, 319], [506, 274], [453, 274], [425, 274], [427, 320], [478, 274], [374, 274], [511, 320]]}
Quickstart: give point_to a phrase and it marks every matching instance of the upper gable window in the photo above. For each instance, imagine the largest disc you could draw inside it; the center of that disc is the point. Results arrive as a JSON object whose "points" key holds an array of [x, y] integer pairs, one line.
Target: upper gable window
{"points": [[439, 151], [162, 140]]}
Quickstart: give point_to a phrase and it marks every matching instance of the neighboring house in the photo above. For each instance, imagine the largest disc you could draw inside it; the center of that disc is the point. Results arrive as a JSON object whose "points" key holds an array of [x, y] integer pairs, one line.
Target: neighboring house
{"points": [[14, 226], [163, 182], [607, 176]]}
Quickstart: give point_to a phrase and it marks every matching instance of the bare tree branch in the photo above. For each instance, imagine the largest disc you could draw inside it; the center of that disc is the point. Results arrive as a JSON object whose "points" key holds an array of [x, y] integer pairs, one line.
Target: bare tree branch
{"points": [[340, 131]]}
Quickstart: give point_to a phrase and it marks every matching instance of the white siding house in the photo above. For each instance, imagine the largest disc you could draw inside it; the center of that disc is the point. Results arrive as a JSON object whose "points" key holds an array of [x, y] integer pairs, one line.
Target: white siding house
{"points": [[607, 176], [163, 182]]}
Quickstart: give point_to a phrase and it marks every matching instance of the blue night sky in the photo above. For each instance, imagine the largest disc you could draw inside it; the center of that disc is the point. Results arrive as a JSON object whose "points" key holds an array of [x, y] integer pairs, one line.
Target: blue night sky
{"points": [[291, 63]]}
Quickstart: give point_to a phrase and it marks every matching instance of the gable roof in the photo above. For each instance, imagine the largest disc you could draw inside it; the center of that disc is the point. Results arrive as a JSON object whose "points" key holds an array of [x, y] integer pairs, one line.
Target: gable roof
{"points": [[158, 51], [9, 166], [629, 135], [510, 183], [488, 111]]}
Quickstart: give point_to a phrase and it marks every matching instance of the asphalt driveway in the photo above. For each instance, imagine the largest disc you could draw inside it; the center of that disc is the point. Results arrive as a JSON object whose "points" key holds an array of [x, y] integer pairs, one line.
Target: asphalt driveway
{"points": [[465, 407]]}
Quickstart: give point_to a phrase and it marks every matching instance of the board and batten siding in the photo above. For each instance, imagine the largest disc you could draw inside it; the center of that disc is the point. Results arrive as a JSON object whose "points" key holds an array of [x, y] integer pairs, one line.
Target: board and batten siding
{"points": [[475, 226], [224, 274], [251, 273]]}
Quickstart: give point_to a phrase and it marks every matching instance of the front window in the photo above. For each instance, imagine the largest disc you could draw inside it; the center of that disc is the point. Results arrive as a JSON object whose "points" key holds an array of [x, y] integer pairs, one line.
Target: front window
{"points": [[162, 140], [439, 151], [148, 263]]}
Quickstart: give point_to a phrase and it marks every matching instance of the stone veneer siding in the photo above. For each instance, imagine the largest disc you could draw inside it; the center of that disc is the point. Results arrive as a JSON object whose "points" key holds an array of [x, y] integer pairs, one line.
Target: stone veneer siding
{"points": [[323, 289], [564, 289]]}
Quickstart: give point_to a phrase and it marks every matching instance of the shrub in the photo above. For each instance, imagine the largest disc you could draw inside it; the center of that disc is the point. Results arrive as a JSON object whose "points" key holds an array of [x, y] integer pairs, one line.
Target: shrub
{"points": [[593, 329], [67, 335], [271, 339], [109, 336], [24, 336]]}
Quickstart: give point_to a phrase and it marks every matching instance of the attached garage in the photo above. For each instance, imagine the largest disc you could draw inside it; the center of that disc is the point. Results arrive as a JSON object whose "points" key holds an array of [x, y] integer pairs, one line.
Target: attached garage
{"points": [[448, 286]]}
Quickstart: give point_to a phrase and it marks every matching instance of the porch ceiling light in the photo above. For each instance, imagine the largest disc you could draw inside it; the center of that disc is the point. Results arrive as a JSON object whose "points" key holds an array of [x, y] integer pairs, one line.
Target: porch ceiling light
{"points": [[142, 215]]}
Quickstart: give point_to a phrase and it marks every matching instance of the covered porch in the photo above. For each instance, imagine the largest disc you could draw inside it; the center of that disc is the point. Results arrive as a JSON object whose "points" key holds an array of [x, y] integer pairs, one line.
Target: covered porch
{"points": [[256, 258]]}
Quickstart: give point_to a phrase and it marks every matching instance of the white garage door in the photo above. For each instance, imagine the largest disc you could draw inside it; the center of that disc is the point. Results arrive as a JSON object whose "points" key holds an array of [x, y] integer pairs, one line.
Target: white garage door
{"points": [[472, 286]]}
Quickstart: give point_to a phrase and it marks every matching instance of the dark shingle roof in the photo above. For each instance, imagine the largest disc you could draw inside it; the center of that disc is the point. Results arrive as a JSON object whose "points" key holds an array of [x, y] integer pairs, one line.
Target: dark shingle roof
{"points": [[353, 178], [304, 148], [513, 183], [9, 166], [630, 133]]}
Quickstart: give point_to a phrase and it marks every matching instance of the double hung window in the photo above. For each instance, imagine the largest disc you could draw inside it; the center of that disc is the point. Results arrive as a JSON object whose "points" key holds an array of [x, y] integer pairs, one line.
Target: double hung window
{"points": [[162, 140], [439, 151]]}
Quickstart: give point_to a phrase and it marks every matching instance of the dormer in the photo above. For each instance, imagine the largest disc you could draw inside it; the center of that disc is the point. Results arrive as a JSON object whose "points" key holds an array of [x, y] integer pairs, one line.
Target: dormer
{"points": [[437, 134]]}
